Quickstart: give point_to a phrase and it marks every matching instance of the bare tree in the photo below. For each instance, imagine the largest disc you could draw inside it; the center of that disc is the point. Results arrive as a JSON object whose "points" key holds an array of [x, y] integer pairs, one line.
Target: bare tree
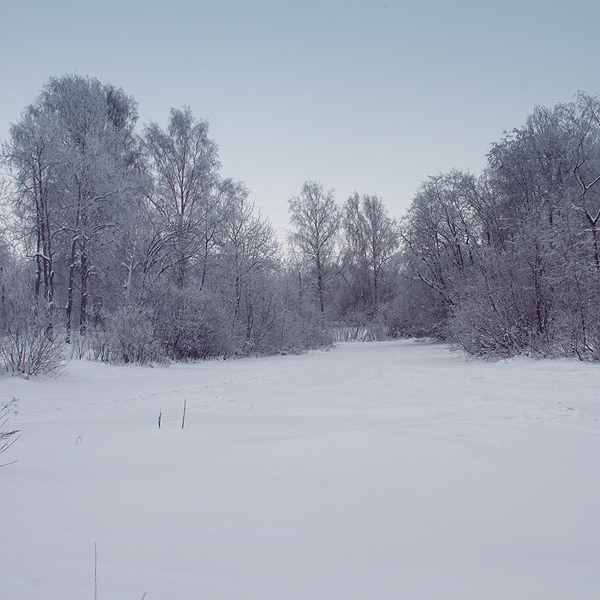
{"points": [[515, 254], [249, 250], [441, 231], [371, 239], [315, 218], [31, 157], [185, 166], [581, 120]]}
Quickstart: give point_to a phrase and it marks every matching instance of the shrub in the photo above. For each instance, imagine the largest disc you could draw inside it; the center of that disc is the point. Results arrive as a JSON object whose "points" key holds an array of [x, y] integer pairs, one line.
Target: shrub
{"points": [[129, 337], [190, 324], [30, 343], [30, 346]]}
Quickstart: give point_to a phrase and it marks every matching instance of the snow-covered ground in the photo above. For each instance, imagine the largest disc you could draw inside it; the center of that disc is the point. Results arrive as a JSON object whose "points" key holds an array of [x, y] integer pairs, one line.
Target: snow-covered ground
{"points": [[377, 471]]}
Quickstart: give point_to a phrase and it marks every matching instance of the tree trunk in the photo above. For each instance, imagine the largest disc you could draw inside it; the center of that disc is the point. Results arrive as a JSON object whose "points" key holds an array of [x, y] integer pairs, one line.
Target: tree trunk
{"points": [[83, 318], [71, 283], [70, 288]]}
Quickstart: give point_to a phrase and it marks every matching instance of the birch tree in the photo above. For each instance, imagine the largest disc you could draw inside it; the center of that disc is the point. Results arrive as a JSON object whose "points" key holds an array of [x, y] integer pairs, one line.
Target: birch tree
{"points": [[74, 157], [315, 218], [31, 157], [184, 163], [96, 124]]}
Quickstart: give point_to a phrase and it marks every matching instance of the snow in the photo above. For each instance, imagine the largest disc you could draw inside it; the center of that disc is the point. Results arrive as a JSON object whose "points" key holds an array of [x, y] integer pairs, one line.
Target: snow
{"points": [[374, 471]]}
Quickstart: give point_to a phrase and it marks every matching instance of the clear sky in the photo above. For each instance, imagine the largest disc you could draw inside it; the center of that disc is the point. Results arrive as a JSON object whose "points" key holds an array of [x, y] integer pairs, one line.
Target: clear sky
{"points": [[362, 95]]}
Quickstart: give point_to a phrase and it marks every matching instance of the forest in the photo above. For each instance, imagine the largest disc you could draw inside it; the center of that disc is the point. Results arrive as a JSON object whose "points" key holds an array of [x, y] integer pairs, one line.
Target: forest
{"points": [[128, 246]]}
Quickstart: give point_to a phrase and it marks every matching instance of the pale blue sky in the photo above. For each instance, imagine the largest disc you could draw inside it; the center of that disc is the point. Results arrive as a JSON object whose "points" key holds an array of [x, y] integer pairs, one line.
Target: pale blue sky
{"points": [[361, 95]]}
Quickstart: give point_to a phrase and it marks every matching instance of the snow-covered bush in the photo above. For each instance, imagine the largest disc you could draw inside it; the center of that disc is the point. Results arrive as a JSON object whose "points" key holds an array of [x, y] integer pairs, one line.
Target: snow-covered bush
{"points": [[129, 337], [30, 339], [481, 331], [32, 348], [97, 343], [190, 324], [370, 331], [303, 331]]}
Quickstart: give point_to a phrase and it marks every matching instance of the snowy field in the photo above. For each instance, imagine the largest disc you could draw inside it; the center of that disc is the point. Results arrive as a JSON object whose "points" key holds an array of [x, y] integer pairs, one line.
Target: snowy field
{"points": [[382, 471]]}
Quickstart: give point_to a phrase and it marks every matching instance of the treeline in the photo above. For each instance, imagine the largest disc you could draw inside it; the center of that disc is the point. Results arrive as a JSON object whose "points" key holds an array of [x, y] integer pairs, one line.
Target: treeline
{"points": [[131, 247], [508, 263]]}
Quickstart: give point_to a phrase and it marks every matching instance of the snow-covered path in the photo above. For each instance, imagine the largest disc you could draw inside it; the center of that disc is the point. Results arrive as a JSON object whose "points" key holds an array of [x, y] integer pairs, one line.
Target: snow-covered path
{"points": [[379, 471]]}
